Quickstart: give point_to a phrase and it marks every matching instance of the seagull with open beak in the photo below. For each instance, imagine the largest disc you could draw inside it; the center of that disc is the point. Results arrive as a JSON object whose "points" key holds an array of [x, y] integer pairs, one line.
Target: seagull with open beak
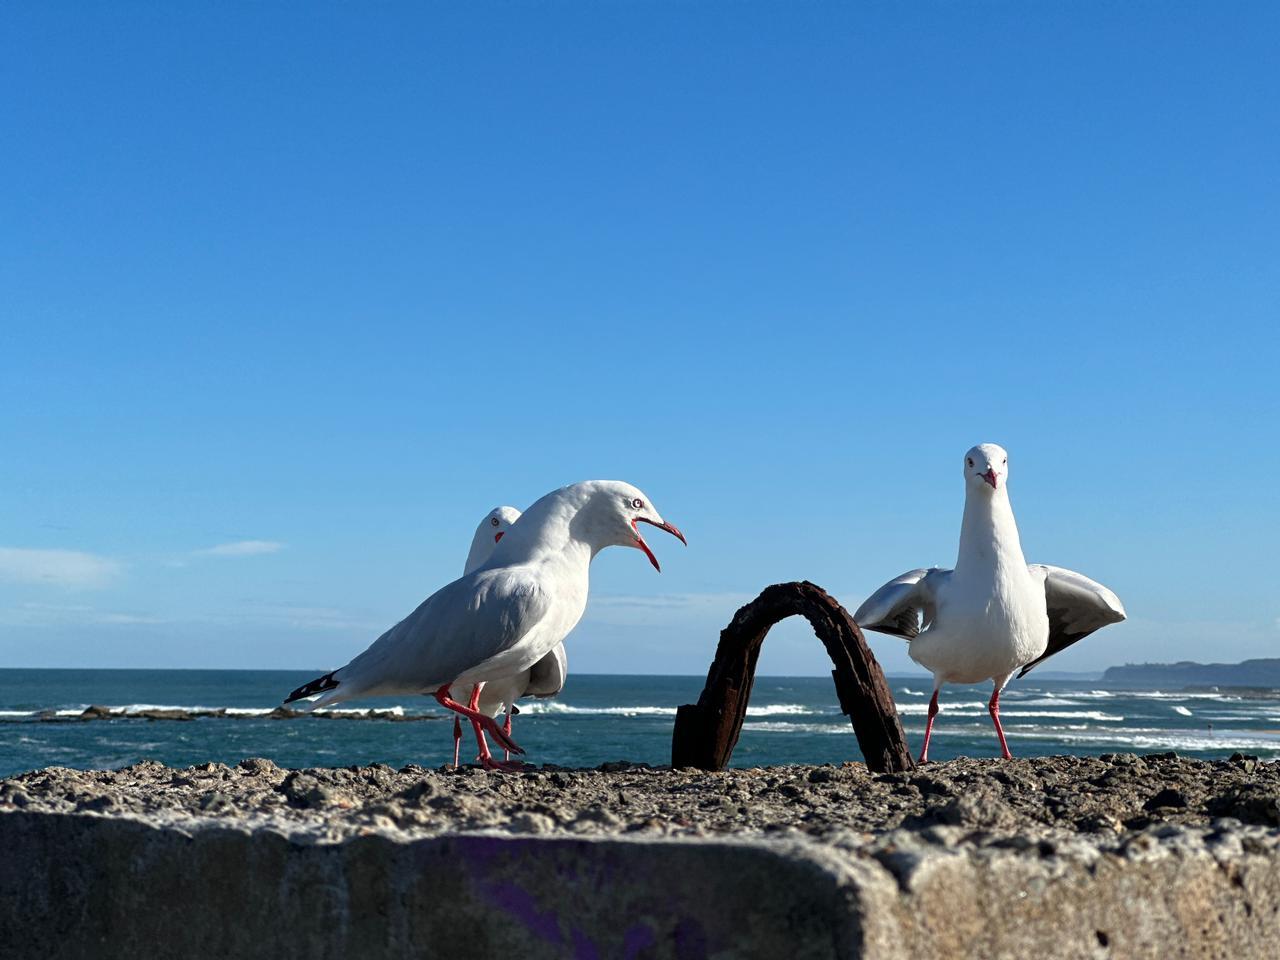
{"points": [[661, 525], [506, 615]]}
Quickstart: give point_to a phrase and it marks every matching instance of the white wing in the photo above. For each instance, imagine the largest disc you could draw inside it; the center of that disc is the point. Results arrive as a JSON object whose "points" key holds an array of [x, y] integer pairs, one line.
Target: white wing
{"points": [[1077, 606], [905, 605], [547, 677], [458, 627]]}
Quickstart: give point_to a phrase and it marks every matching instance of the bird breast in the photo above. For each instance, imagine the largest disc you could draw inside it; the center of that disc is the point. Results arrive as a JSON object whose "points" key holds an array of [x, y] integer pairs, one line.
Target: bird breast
{"points": [[984, 631]]}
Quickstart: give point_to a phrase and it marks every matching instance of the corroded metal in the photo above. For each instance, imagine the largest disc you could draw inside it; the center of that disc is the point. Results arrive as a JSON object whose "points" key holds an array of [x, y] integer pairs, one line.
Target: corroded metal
{"points": [[706, 732]]}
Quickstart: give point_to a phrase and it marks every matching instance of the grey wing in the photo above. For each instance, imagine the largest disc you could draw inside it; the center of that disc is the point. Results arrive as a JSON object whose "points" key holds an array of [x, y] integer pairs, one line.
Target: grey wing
{"points": [[905, 605], [458, 627], [547, 676], [1077, 606]]}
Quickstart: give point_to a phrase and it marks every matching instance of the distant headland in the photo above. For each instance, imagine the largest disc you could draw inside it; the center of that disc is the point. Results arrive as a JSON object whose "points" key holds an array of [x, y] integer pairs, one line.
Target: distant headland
{"points": [[1261, 674]]}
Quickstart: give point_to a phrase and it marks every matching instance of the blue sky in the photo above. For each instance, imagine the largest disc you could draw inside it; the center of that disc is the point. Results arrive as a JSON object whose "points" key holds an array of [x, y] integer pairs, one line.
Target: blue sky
{"points": [[291, 295]]}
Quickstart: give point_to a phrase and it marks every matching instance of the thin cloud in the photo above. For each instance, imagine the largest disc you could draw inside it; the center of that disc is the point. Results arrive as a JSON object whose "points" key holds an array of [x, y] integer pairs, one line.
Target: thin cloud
{"points": [[276, 616], [667, 608], [303, 617], [63, 615], [62, 568], [241, 548], [668, 601], [286, 615]]}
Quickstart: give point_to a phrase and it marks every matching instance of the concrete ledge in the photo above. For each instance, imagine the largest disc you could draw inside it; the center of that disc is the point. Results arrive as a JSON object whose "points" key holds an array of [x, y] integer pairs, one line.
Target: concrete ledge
{"points": [[88, 885]]}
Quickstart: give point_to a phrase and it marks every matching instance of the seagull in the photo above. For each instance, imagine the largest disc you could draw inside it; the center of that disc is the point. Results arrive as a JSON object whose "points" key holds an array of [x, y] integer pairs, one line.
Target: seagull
{"points": [[544, 679], [506, 615], [994, 613]]}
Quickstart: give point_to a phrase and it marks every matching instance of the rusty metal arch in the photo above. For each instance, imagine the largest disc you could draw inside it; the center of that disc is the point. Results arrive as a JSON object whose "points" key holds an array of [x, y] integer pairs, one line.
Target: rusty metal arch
{"points": [[706, 732]]}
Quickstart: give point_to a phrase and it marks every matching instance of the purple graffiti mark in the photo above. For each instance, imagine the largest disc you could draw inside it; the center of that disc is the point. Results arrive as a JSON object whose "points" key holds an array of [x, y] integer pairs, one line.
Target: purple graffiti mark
{"points": [[583, 948], [484, 854], [691, 940], [480, 855], [520, 904], [637, 938]]}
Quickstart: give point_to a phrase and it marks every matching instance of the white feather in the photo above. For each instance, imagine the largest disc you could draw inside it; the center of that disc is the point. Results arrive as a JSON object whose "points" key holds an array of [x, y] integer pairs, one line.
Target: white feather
{"points": [[993, 613]]}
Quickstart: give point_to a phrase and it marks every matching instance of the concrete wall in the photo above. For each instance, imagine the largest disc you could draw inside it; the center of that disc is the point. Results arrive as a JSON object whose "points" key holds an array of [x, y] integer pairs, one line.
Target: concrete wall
{"points": [[80, 885]]}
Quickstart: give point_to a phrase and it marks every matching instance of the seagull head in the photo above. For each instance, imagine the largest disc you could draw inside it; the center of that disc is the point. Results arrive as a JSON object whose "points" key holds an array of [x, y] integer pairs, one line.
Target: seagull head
{"points": [[986, 466], [497, 523], [610, 515], [491, 530]]}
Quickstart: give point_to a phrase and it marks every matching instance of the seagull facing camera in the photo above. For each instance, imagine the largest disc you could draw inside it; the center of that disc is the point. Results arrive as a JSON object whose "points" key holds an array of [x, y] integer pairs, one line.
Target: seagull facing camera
{"points": [[489, 534], [994, 613], [987, 463]]}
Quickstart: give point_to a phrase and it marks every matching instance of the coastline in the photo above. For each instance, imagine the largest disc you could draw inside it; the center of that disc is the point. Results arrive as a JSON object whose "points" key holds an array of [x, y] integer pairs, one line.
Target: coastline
{"points": [[96, 712]]}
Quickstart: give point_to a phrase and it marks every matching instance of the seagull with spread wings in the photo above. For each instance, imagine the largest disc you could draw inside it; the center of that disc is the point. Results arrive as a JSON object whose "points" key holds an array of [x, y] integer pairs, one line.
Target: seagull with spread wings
{"points": [[994, 614]]}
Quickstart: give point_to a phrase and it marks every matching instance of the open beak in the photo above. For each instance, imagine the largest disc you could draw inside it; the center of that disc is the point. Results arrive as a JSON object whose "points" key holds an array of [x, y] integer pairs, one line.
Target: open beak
{"points": [[990, 477], [498, 536], [670, 528]]}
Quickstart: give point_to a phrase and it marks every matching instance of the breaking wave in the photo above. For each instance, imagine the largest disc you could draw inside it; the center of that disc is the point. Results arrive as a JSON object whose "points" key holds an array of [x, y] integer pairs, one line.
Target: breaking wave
{"points": [[785, 726], [564, 709]]}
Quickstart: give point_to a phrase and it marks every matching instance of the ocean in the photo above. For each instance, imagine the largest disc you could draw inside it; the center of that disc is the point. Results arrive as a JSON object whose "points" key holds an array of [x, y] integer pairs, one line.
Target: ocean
{"points": [[596, 719]]}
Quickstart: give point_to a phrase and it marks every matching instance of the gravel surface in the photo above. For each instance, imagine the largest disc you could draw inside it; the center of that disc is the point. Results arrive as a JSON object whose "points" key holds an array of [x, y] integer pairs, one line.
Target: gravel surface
{"points": [[981, 801]]}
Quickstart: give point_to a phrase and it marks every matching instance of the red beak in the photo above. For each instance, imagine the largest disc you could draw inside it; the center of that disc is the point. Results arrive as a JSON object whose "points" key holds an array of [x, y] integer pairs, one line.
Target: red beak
{"points": [[670, 528], [498, 536], [990, 477]]}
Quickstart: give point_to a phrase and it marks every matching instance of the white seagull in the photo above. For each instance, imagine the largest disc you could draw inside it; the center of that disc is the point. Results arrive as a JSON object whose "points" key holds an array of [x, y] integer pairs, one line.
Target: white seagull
{"points": [[504, 617], [544, 679], [994, 613]]}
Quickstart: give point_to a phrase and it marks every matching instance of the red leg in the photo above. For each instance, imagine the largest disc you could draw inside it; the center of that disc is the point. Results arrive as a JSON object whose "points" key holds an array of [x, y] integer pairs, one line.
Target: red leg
{"points": [[457, 726], [994, 708], [474, 704], [488, 724], [487, 759], [928, 727]]}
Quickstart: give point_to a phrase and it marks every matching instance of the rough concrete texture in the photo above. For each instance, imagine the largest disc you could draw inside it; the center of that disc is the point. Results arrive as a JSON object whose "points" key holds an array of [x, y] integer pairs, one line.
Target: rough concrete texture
{"points": [[1057, 857]]}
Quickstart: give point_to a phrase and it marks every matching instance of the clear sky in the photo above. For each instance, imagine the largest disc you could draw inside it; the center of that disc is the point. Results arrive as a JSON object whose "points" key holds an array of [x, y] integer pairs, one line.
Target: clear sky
{"points": [[292, 294]]}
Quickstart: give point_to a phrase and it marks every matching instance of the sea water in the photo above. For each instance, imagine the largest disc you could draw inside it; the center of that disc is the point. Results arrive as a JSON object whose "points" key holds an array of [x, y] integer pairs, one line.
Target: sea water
{"points": [[595, 719]]}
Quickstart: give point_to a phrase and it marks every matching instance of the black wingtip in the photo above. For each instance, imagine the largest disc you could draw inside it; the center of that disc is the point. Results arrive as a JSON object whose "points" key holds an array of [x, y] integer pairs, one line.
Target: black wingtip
{"points": [[318, 685]]}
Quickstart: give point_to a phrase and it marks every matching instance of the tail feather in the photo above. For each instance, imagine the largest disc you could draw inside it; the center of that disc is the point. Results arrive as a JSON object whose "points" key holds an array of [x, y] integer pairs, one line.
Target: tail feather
{"points": [[318, 685]]}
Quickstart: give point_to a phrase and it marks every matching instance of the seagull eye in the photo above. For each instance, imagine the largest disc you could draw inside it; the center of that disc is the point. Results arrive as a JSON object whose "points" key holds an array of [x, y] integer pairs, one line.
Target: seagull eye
{"points": [[1005, 460], [970, 459], [494, 521], [637, 503]]}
